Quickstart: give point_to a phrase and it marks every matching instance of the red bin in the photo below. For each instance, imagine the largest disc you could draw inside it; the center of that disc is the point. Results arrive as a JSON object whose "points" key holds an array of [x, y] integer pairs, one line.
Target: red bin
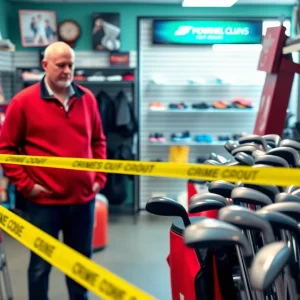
{"points": [[100, 234]]}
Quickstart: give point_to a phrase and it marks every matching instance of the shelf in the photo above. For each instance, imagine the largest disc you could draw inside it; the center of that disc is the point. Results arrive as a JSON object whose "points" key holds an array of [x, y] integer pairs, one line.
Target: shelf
{"points": [[90, 82], [209, 110], [208, 85], [170, 143]]}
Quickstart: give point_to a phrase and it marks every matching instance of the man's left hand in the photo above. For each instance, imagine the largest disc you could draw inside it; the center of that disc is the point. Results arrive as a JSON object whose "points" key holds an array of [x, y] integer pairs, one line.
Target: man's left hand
{"points": [[96, 187]]}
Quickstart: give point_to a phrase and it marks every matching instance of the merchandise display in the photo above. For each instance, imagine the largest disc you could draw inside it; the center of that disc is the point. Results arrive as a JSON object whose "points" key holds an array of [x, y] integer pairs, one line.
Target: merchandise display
{"points": [[244, 236], [186, 137], [79, 75], [238, 103]]}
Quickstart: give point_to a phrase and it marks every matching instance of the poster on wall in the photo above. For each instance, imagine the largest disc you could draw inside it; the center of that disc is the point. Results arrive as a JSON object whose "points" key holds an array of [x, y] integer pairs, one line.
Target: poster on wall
{"points": [[106, 31], [38, 28], [207, 32]]}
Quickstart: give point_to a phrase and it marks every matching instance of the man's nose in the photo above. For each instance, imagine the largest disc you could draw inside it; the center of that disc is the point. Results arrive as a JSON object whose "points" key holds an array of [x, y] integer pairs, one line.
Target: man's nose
{"points": [[67, 70]]}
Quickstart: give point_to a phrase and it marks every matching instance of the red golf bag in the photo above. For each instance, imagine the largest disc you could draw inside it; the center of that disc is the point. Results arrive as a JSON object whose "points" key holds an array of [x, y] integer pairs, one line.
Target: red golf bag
{"points": [[192, 271], [198, 274]]}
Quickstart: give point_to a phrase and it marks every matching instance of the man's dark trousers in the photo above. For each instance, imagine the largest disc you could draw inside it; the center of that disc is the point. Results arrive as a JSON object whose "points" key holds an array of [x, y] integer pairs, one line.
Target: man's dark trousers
{"points": [[76, 223]]}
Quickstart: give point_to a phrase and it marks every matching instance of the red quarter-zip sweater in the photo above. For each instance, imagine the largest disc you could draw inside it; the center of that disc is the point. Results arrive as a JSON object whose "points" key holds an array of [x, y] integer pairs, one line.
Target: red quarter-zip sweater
{"points": [[37, 124]]}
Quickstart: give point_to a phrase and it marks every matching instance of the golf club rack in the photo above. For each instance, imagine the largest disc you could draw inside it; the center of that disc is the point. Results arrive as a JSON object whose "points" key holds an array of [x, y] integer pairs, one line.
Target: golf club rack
{"points": [[238, 241]]}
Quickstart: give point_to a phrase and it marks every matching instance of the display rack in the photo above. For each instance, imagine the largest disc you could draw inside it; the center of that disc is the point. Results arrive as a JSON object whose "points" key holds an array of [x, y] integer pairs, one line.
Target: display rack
{"points": [[7, 194], [171, 74]]}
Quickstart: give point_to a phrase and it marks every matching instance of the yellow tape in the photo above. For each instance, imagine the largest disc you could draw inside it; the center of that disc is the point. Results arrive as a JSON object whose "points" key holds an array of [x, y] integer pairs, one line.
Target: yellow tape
{"points": [[81, 269], [265, 176]]}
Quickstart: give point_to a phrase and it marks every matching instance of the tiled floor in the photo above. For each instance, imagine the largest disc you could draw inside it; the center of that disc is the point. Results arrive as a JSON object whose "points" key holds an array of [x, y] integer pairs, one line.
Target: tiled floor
{"points": [[137, 252]]}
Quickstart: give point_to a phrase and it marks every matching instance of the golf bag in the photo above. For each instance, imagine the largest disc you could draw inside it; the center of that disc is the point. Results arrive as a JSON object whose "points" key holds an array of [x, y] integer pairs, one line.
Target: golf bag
{"points": [[192, 271]]}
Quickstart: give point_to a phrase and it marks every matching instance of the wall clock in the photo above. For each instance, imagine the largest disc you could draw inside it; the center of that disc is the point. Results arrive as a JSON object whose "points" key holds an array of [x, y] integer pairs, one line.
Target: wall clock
{"points": [[69, 32]]}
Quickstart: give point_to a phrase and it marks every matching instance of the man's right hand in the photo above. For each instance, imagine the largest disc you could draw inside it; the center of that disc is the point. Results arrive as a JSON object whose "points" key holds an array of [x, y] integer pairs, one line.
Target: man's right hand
{"points": [[37, 188]]}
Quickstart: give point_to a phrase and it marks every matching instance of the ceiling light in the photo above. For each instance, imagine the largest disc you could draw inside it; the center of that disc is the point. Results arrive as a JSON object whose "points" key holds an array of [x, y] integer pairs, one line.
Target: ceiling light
{"points": [[208, 3]]}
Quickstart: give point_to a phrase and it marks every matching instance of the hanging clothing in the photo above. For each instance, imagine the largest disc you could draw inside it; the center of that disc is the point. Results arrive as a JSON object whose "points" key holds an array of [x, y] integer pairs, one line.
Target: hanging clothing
{"points": [[120, 126]]}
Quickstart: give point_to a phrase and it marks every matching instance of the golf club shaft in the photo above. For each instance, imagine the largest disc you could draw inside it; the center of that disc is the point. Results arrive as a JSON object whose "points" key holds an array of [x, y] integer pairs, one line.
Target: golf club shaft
{"points": [[244, 273]]}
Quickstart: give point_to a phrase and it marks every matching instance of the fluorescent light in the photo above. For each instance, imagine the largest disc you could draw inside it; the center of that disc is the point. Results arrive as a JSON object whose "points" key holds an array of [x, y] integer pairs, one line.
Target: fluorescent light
{"points": [[208, 3], [237, 47]]}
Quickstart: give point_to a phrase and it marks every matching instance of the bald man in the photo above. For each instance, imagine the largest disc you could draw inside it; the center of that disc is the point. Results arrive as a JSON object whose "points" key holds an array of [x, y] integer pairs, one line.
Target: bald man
{"points": [[56, 117]]}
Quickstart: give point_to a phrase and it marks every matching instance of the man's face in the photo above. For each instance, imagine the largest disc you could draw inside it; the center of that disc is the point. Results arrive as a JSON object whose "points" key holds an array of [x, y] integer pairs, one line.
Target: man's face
{"points": [[60, 69]]}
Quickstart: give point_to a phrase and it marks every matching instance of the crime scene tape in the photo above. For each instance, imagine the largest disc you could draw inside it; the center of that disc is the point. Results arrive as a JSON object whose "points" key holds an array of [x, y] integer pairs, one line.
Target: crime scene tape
{"points": [[265, 176], [78, 267]]}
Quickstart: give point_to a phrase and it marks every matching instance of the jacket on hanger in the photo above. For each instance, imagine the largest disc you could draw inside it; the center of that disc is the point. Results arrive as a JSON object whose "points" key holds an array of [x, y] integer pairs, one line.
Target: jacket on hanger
{"points": [[120, 126]]}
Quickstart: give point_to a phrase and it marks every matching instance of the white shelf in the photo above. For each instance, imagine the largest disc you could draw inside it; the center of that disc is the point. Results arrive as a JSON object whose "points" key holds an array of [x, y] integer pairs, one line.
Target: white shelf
{"points": [[170, 143], [208, 85], [206, 110]]}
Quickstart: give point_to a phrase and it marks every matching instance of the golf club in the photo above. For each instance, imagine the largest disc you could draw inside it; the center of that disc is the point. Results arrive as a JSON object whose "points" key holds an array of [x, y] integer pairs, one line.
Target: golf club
{"points": [[206, 196], [289, 154], [272, 140], [253, 138], [205, 205], [267, 265], [269, 190], [271, 160], [290, 143], [244, 159], [221, 187], [249, 196], [164, 206], [248, 149], [211, 232], [230, 145]]}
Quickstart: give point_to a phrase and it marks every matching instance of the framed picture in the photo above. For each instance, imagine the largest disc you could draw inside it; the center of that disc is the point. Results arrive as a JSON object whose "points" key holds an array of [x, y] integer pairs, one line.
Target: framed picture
{"points": [[106, 31], [38, 28]]}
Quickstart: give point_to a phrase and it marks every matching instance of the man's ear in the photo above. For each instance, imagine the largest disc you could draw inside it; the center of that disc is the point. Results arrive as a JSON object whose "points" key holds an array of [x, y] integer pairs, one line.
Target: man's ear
{"points": [[44, 64]]}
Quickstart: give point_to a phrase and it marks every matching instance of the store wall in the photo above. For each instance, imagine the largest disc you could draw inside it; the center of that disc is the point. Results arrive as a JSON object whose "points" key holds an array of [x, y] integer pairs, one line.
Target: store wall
{"points": [[4, 12], [128, 17]]}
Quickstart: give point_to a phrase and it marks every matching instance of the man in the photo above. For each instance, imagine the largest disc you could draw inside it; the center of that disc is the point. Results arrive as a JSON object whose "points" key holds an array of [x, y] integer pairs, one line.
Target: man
{"points": [[56, 117]]}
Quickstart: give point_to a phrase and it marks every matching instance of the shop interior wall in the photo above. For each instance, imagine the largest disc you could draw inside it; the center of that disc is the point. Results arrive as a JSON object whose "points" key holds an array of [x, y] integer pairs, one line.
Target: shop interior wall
{"points": [[81, 12], [4, 12]]}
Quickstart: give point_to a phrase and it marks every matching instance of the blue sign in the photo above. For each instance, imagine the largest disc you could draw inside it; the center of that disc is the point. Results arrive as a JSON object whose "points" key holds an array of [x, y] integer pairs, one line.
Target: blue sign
{"points": [[205, 32]]}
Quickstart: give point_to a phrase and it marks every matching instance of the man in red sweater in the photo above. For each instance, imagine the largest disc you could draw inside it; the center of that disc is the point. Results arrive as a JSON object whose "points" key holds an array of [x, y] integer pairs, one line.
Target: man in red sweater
{"points": [[56, 117]]}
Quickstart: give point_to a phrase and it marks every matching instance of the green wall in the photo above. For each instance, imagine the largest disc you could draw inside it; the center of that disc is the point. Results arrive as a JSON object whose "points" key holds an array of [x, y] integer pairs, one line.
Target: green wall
{"points": [[4, 12], [128, 16]]}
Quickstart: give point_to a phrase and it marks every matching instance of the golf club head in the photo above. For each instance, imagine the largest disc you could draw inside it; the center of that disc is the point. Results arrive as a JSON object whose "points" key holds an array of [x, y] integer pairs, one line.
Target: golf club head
{"points": [[280, 221], [290, 143], [211, 233], [205, 205], [164, 206], [289, 154], [291, 188], [271, 160], [234, 163], [218, 158], [230, 145], [270, 190], [285, 197], [206, 196], [244, 159], [254, 138], [245, 218], [248, 149], [267, 265], [296, 193], [212, 162], [221, 187], [291, 209], [272, 139], [249, 196], [257, 153]]}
